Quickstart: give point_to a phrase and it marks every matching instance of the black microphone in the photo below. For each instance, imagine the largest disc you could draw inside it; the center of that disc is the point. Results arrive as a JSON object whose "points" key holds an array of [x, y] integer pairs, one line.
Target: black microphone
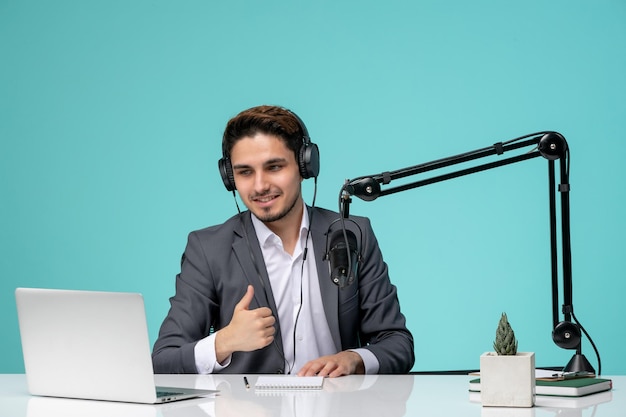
{"points": [[343, 268]]}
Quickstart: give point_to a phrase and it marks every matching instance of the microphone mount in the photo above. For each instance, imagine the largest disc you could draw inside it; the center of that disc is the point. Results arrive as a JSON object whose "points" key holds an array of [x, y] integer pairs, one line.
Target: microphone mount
{"points": [[547, 144]]}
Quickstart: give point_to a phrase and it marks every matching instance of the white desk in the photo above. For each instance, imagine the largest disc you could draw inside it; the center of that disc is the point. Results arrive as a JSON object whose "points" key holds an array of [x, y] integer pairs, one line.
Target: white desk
{"points": [[353, 396]]}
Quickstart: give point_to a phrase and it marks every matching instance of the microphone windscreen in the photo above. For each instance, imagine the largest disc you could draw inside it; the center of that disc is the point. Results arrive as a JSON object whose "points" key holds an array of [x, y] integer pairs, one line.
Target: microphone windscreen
{"points": [[338, 240], [343, 268]]}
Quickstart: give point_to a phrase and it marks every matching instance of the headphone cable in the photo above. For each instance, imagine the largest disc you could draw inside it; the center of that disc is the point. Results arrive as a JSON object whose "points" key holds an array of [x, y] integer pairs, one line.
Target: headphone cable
{"points": [[304, 254]]}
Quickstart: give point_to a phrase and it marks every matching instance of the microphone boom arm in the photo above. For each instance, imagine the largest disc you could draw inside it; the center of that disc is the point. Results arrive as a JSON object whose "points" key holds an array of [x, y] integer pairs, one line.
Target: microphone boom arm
{"points": [[368, 188], [550, 145]]}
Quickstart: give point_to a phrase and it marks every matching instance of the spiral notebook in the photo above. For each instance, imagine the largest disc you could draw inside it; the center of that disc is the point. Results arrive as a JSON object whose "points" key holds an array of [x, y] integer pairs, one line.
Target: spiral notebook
{"points": [[287, 382]]}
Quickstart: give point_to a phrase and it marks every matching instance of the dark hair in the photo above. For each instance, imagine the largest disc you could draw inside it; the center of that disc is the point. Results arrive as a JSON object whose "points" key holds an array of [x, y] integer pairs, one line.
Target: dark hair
{"points": [[271, 120]]}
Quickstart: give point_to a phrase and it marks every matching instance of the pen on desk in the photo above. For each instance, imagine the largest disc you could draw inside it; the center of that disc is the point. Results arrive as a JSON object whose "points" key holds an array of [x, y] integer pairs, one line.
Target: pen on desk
{"points": [[572, 375], [245, 381]]}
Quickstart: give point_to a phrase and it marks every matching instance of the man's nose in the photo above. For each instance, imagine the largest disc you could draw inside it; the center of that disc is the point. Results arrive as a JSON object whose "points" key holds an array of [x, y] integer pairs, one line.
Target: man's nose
{"points": [[260, 182]]}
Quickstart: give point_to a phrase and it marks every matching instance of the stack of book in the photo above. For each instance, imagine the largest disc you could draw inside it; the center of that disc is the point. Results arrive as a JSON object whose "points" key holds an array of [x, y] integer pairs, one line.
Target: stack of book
{"points": [[559, 391]]}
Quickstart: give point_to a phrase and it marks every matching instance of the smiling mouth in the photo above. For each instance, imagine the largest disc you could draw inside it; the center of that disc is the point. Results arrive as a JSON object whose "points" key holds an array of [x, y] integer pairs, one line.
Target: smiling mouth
{"points": [[265, 199]]}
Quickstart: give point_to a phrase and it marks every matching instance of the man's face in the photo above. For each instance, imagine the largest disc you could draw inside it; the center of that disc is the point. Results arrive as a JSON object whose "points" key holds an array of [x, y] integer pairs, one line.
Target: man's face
{"points": [[267, 178]]}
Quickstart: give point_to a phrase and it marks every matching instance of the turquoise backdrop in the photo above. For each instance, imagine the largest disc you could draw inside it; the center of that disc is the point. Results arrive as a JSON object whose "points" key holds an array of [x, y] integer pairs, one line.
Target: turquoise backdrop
{"points": [[111, 114]]}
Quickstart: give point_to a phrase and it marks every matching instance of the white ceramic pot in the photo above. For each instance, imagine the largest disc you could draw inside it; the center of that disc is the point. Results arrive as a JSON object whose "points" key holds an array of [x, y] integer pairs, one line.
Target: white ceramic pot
{"points": [[507, 381]]}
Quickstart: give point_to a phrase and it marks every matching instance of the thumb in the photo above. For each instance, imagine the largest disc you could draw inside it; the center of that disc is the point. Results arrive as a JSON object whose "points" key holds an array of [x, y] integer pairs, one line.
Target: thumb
{"points": [[245, 301]]}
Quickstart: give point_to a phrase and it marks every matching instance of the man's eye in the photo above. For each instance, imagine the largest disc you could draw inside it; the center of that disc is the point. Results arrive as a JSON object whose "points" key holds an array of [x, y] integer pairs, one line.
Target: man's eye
{"points": [[244, 173], [274, 167]]}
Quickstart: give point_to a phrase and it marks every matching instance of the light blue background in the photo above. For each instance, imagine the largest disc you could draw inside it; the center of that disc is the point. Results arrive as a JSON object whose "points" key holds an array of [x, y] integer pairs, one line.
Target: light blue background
{"points": [[111, 114]]}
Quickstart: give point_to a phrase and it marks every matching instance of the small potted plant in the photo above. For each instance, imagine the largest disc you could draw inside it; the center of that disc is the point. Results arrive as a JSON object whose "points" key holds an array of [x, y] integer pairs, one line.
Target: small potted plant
{"points": [[507, 377]]}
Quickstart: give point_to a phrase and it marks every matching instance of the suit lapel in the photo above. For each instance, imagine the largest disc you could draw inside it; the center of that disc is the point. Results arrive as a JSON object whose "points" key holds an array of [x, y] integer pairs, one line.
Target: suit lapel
{"points": [[248, 252], [329, 291]]}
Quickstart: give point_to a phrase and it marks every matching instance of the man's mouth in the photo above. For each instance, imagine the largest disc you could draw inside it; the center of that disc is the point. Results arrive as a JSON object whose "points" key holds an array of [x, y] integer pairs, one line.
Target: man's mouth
{"points": [[264, 199]]}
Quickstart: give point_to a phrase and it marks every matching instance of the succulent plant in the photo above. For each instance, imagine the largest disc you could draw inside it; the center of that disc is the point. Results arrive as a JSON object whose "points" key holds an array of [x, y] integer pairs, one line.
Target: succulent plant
{"points": [[505, 343]]}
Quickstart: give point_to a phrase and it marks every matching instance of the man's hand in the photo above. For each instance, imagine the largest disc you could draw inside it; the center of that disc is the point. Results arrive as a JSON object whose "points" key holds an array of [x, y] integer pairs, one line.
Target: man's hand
{"points": [[248, 329], [342, 363]]}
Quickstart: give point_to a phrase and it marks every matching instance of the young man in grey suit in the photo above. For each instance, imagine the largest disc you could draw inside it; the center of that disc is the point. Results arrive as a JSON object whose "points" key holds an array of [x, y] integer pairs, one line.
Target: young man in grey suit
{"points": [[255, 295]]}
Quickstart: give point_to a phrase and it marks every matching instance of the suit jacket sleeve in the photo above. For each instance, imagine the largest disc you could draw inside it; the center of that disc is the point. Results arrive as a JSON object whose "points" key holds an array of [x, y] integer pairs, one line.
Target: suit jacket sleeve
{"points": [[192, 309]]}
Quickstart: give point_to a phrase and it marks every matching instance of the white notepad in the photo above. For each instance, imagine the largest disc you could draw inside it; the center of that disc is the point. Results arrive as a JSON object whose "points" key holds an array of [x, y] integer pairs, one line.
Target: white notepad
{"points": [[272, 382]]}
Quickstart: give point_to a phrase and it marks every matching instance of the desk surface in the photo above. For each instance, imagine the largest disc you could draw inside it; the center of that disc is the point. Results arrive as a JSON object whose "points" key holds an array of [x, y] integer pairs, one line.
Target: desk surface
{"points": [[352, 396]]}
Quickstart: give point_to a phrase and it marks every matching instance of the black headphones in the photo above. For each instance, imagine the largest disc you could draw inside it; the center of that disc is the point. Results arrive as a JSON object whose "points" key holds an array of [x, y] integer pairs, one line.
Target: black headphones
{"points": [[308, 158]]}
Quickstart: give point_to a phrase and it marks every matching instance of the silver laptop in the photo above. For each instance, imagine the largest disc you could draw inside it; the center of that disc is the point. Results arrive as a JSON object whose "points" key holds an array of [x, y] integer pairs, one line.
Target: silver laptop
{"points": [[90, 345]]}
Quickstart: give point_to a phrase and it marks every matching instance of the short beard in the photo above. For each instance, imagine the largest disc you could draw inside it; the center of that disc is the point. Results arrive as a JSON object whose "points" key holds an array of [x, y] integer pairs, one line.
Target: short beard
{"points": [[269, 218]]}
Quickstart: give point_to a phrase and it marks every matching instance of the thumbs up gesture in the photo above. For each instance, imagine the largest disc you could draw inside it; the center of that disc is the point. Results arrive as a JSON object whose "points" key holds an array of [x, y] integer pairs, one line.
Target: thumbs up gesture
{"points": [[248, 329]]}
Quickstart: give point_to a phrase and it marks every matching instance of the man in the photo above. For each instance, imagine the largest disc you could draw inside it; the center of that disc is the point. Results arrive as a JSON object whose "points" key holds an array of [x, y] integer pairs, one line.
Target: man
{"points": [[254, 294]]}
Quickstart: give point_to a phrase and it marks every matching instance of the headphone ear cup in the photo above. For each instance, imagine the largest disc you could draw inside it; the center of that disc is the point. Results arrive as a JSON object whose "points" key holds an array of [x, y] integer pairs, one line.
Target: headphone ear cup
{"points": [[226, 172], [309, 160]]}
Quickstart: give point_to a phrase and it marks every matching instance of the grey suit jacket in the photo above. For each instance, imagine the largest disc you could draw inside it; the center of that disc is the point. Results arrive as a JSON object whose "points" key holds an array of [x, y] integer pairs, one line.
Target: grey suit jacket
{"points": [[216, 268]]}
